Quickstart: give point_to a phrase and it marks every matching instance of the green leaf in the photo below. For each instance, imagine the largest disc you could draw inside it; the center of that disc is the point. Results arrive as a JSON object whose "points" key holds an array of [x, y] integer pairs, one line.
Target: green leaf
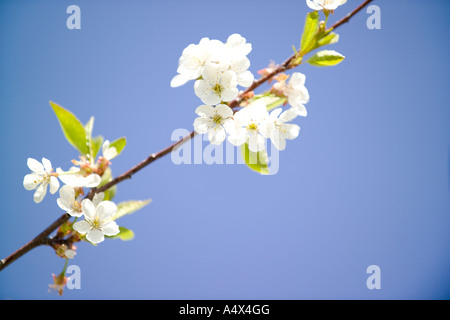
{"points": [[276, 103], [119, 144], [124, 234], [96, 144], [129, 207], [257, 161], [329, 38], [326, 58], [72, 128], [309, 32], [107, 177]]}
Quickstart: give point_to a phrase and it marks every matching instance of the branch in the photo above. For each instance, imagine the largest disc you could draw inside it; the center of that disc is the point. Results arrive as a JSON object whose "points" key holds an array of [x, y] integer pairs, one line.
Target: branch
{"points": [[42, 238]]}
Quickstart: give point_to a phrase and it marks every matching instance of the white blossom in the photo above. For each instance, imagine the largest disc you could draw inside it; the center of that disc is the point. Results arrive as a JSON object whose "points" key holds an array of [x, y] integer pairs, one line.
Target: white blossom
{"points": [[283, 130], [42, 175], [68, 202], [74, 179], [218, 84], [295, 91], [194, 58], [213, 121], [98, 221], [325, 4], [232, 55], [108, 152], [251, 125]]}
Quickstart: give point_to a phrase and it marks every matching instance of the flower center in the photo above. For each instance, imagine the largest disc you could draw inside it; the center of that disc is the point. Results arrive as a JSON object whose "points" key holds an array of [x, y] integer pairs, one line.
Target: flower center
{"points": [[252, 127], [96, 223], [217, 89], [217, 119]]}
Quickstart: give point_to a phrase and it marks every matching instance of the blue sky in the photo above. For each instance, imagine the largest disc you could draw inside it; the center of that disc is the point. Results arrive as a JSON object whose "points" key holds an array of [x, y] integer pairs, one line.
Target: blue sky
{"points": [[365, 183]]}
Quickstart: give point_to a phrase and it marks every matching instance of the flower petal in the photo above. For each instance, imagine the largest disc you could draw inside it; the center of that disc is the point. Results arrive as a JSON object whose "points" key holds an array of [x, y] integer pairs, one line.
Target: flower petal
{"points": [[110, 229], [40, 193], [54, 185], [63, 204], [47, 165], [106, 210], [31, 181], [88, 209], [95, 236], [35, 165], [82, 226], [67, 193], [205, 111]]}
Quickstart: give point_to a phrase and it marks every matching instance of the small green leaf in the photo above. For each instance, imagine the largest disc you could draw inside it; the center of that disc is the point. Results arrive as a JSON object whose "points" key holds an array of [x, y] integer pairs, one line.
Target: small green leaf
{"points": [[309, 32], [124, 234], [96, 144], [119, 144], [257, 161], [276, 103], [129, 207], [326, 58], [72, 128]]}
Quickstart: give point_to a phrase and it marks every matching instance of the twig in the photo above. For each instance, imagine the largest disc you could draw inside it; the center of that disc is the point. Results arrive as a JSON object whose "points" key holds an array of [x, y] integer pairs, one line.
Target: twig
{"points": [[42, 238]]}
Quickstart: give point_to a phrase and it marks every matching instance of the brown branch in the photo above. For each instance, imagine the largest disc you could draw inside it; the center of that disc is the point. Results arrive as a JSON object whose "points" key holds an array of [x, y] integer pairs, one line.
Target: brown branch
{"points": [[42, 238]]}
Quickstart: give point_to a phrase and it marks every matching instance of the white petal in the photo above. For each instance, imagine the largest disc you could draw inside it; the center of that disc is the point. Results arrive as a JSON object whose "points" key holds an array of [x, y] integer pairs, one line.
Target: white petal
{"points": [[98, 197], [54, 185], [292, 131], [212, 72], [95, 236], [67, 193], [278, 141], [31, 181], [313, 5], [110, 229], [40, 193], [47, 165], [63, 204], [229, 94], [297, 79], [224, 111], [82, 226], [106, 210], [88, 209], [217, 136], [178, 80], [201, 125], [245, 79], [35, 165], [205, 111], [92, 180]]}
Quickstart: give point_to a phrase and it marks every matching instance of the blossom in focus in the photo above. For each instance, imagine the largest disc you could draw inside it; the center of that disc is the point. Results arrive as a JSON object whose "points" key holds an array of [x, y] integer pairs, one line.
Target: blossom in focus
{"points": [[325, 4], [213, 121], [232, 55], [218, 84], [283, 130], [42, 176], [251, 125], [194, 58], [98, 221]]}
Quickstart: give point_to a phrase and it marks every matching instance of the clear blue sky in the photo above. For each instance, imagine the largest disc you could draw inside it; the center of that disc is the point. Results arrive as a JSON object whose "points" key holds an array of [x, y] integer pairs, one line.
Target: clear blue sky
{"points": [[366, 182]]}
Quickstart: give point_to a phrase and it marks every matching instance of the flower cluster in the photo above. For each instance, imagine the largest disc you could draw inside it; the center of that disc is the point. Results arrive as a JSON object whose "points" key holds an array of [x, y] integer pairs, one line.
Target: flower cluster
{"points": [[217, 67], [253, 124], [98, 213]]}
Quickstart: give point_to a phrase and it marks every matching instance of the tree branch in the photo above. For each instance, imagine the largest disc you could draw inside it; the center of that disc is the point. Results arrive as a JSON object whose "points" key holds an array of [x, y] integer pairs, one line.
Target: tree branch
{"points": [[42, 238]]}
